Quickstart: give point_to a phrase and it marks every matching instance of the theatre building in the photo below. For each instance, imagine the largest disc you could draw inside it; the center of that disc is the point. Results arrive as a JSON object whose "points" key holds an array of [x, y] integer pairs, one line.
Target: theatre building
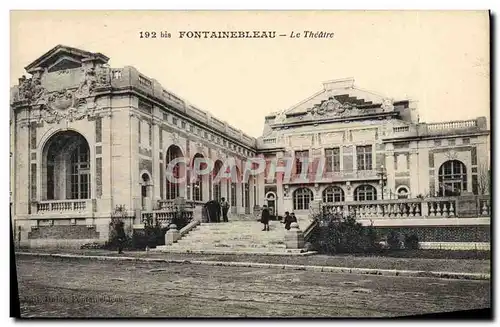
{"points": [[87, 137]]}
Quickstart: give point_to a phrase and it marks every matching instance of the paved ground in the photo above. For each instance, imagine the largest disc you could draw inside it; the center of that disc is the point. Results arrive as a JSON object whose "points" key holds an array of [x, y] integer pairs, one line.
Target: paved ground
{"points": [[448, 265], [51, 287]]}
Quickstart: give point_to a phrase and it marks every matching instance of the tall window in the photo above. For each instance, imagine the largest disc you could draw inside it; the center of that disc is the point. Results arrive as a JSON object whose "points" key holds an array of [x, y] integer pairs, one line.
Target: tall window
{"points": [[217, 182], [80, 171], [332, 159], [365, 193], [364, 157], [299, 156], [333, 194], [233, 195], [217, 192], [197, 186], [452, 178], [301, 199], [198, 189], [172, 190]]}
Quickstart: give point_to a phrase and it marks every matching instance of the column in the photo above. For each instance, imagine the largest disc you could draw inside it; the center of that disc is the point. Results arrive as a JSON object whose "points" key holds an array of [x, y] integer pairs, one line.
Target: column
{"points": [[414, 172], [391, 172], [155, 150], [125, 188], [22, 170]]}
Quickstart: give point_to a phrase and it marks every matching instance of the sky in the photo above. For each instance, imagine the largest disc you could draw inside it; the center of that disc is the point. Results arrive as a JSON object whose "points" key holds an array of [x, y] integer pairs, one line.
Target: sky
{"points": [[439, 59]]}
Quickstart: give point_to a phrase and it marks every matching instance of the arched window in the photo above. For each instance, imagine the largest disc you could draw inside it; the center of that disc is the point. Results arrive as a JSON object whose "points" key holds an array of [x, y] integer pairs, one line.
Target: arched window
{"points": [[452, 178], [402, 192], [301, 198], [365, 193], [66, 167], [333, 194], [172, 187]]}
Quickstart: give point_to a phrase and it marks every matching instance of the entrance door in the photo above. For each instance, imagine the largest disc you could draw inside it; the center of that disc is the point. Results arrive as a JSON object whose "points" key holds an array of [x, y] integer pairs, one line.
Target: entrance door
{"points": [[272, 204]]}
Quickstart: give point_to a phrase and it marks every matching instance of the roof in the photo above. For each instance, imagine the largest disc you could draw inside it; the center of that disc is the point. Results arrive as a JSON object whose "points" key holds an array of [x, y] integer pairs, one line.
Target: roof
{"points": [[61, 55]]}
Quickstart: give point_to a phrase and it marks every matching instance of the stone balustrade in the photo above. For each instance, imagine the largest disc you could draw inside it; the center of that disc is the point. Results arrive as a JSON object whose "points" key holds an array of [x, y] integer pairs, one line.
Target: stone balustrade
{"points": [[400, 208], [401, 129], [452, 125], [166, 212], [63, 206]]}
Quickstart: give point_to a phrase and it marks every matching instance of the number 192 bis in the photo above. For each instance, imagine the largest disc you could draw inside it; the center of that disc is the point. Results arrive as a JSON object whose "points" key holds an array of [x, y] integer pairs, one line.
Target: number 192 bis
{"points": [[154, 35]]}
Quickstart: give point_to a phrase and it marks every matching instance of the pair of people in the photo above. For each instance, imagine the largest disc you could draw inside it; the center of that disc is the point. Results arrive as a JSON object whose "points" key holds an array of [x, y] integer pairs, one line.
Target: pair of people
{"points": [[289, 219], [213, 210]]}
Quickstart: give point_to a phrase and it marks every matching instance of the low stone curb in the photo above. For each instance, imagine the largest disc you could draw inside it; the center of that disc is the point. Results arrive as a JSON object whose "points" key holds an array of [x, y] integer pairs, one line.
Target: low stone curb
{"points": [[342, 270], [229, 252]]}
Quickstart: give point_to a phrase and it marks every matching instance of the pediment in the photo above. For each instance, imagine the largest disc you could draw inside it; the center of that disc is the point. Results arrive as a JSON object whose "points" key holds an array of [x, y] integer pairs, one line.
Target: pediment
{"points": [[338, 99], [63, 57], [64, 63]]}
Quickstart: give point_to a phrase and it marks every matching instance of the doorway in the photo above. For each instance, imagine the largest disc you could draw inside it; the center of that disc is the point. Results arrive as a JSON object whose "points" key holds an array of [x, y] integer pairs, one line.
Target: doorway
{"points": [[271, 201]]}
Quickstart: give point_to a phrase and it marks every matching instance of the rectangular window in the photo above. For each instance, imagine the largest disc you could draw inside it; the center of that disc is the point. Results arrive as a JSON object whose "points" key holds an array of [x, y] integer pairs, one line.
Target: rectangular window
{"points": [[183, 124], [165, 116], [299, 157], [174, 121], [332, 159], [364, 157]]}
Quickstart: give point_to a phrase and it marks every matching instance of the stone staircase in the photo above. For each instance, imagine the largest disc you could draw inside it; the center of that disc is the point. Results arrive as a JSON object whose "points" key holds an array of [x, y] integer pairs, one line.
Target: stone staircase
{"points": [[234, 237]]}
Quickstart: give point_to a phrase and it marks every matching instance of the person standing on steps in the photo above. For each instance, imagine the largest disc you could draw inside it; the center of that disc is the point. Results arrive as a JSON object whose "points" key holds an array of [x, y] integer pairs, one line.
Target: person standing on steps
{"points": [[287, 220], [294, 219], [225, 208], [264, 218]]}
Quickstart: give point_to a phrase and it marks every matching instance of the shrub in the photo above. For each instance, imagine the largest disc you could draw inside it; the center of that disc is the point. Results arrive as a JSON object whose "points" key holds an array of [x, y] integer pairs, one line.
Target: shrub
{"points": [[393, 240], [337, 234], [411, 242]]}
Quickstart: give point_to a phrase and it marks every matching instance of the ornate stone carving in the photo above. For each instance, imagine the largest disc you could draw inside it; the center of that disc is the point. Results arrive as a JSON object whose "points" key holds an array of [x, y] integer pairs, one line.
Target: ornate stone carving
{"points": [[30, 89], [280, 117], [332, 107], [93, 77], [451, 155], [387, 105], [175, 138], [64, 104]]}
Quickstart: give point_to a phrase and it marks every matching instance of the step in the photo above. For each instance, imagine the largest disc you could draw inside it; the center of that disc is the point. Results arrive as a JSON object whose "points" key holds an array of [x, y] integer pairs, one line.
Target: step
{"points": [[235, 243], [291, 252], [228, 248]]}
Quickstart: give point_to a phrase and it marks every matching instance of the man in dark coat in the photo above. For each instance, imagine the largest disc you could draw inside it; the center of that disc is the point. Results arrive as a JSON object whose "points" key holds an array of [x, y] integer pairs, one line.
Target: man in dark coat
{"points": [[287, 220], [120, 236], [264, 218], [225, 208], [213, 210]]}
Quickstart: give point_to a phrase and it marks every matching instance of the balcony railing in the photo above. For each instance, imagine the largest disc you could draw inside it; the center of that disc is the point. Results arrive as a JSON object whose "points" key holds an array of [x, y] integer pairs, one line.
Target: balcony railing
{"points": [[453, 125], [166, 212], [447, 207], [63, 206]]}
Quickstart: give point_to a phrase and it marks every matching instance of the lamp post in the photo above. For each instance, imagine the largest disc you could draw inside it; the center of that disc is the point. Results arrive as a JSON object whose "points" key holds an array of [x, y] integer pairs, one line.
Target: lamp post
{"points": [[383, 177]]}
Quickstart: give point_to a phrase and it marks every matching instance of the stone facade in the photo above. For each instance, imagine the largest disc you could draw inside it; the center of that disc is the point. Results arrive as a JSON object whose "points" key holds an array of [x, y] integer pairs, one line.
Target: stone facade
{"points": [[86, 137]]}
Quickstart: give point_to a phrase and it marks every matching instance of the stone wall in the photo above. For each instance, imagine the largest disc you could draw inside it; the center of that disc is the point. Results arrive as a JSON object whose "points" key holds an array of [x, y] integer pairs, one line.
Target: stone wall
{"points": [[478, 233], [67, 232]]}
